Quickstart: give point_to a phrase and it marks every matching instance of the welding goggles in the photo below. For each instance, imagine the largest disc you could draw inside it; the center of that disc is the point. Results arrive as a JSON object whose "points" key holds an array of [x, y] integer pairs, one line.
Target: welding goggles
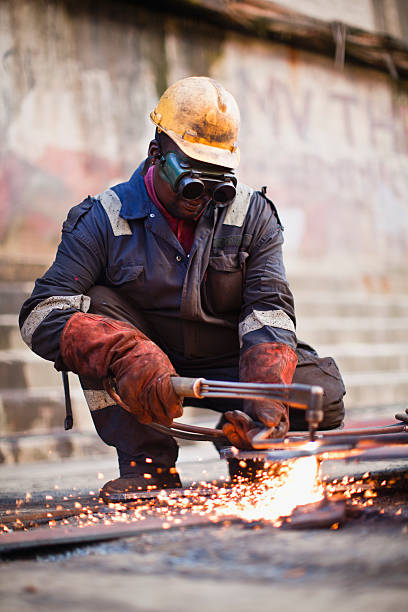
{"points": [[191, 183]]}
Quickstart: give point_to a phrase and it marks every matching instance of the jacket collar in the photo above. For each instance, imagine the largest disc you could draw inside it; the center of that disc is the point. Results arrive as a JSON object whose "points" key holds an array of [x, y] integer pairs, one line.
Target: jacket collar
{"points": [[136, 203]]}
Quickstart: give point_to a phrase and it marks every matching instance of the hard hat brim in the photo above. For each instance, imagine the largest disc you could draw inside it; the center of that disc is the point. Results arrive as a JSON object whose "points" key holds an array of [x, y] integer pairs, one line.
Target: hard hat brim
{"points": [[202, 152]]}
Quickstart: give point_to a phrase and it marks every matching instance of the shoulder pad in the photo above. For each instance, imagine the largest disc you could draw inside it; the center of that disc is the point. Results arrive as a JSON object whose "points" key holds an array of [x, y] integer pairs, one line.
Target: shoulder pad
{"points": [[238, 208], [262, 193], [112, 206], [76, 213]]}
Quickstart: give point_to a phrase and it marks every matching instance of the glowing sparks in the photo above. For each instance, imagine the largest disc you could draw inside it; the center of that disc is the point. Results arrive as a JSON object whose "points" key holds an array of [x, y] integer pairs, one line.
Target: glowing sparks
{"points": [[274, 496]]}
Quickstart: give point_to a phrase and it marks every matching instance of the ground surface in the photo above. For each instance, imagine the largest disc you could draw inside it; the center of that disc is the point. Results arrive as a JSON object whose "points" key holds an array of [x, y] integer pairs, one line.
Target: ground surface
{"points": [[361, 566]]}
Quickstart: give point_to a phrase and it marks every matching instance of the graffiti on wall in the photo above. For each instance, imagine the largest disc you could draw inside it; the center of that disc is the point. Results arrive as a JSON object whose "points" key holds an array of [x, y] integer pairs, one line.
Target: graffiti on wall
{"points": [[331, 146], [333, 149]]}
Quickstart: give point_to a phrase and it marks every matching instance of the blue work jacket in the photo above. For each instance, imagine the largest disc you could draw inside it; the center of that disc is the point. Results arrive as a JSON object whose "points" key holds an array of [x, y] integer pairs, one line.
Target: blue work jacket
{"points": [[229, 293]]}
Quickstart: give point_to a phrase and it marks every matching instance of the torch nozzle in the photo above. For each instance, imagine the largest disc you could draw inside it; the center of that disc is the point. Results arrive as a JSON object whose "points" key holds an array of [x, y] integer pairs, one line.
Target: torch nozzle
{"points": [[314, 413]]}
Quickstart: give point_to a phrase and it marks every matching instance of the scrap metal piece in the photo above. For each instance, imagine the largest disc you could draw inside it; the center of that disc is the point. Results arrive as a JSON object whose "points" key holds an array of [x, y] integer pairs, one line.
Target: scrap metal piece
{"points": [[321, 515], [46, 538]]}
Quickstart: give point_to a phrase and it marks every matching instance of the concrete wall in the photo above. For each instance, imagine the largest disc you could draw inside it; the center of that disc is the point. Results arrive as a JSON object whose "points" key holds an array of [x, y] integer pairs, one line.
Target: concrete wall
{"points": [[388, 16], [358, 13], [77, 81]]}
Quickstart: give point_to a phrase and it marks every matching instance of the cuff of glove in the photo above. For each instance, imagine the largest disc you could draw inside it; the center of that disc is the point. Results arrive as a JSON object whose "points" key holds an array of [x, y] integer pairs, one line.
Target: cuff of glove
{"points": [[90, 343], [269, 362]]}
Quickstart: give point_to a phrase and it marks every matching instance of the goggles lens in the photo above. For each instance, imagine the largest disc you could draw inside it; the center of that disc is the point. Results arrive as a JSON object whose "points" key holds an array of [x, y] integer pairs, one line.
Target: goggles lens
{"points": [[190, 188], [225, 192]]}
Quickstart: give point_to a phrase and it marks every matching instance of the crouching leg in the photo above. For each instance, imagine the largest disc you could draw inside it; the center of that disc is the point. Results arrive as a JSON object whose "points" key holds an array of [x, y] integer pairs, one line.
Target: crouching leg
{"points": [[323, 371], [118, 340]]}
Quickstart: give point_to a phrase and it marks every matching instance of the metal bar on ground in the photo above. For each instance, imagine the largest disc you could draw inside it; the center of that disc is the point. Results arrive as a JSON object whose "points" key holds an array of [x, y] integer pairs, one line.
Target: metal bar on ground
{"points": [[46, 537]]}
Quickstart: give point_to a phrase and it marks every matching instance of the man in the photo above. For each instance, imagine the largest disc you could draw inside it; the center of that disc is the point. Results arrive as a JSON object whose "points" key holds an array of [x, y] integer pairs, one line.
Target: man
{"points": [[176, 272]]}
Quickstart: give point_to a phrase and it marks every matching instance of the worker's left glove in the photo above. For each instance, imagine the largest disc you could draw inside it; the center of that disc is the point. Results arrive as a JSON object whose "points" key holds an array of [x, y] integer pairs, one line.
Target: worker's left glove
{"points": [[269, 363]]}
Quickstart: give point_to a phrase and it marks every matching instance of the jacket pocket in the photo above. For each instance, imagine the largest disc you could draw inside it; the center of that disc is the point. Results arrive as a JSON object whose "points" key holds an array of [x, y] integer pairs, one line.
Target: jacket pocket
{"points": [[125, 275], [233, 262], [224, 282]]}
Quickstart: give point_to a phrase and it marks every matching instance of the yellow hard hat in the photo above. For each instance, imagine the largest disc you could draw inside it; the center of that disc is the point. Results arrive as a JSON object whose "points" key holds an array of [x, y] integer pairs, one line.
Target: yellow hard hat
{"points": [[202, 118]]}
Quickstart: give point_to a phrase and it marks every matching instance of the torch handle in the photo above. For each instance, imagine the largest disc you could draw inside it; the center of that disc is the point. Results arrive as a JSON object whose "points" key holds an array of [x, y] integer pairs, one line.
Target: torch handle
{"points": [[187, 387]]}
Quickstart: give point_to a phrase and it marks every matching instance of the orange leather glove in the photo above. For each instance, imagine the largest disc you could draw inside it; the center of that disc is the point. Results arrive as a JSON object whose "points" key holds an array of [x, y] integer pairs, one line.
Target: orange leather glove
{"points": [[268, 362], [97, 346]]}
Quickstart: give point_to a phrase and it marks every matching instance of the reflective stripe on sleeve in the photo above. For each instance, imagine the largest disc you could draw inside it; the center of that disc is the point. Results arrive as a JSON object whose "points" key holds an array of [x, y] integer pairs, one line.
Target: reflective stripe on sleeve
{"points": [[238, 209], [43, 309], [112, 206], [98, 399], [262, 318]]}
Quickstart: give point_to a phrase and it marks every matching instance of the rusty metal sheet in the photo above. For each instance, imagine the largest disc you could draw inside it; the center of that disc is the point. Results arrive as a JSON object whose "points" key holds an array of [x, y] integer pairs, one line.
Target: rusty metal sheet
{"points": [[46, 537], [319, 515]]}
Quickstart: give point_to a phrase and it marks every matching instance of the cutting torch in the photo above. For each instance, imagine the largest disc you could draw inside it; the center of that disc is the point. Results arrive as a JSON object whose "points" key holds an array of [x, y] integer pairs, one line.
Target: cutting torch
{"points": [[350, 444], [304, 397]]}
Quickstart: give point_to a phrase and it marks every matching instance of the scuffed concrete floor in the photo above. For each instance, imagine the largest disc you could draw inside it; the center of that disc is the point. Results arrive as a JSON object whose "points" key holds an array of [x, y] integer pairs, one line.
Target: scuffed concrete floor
{"points": [[362, 566], [227, 568]]}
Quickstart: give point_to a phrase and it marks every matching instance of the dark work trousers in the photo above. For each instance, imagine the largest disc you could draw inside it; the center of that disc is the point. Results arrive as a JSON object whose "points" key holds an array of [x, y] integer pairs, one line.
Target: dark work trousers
{"points": [[136, 442]]}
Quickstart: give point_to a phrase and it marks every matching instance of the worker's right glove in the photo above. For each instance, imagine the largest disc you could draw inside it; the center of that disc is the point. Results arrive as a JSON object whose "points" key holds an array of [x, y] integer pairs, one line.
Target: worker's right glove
{"points": [[98, 347], [270, 363]]}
